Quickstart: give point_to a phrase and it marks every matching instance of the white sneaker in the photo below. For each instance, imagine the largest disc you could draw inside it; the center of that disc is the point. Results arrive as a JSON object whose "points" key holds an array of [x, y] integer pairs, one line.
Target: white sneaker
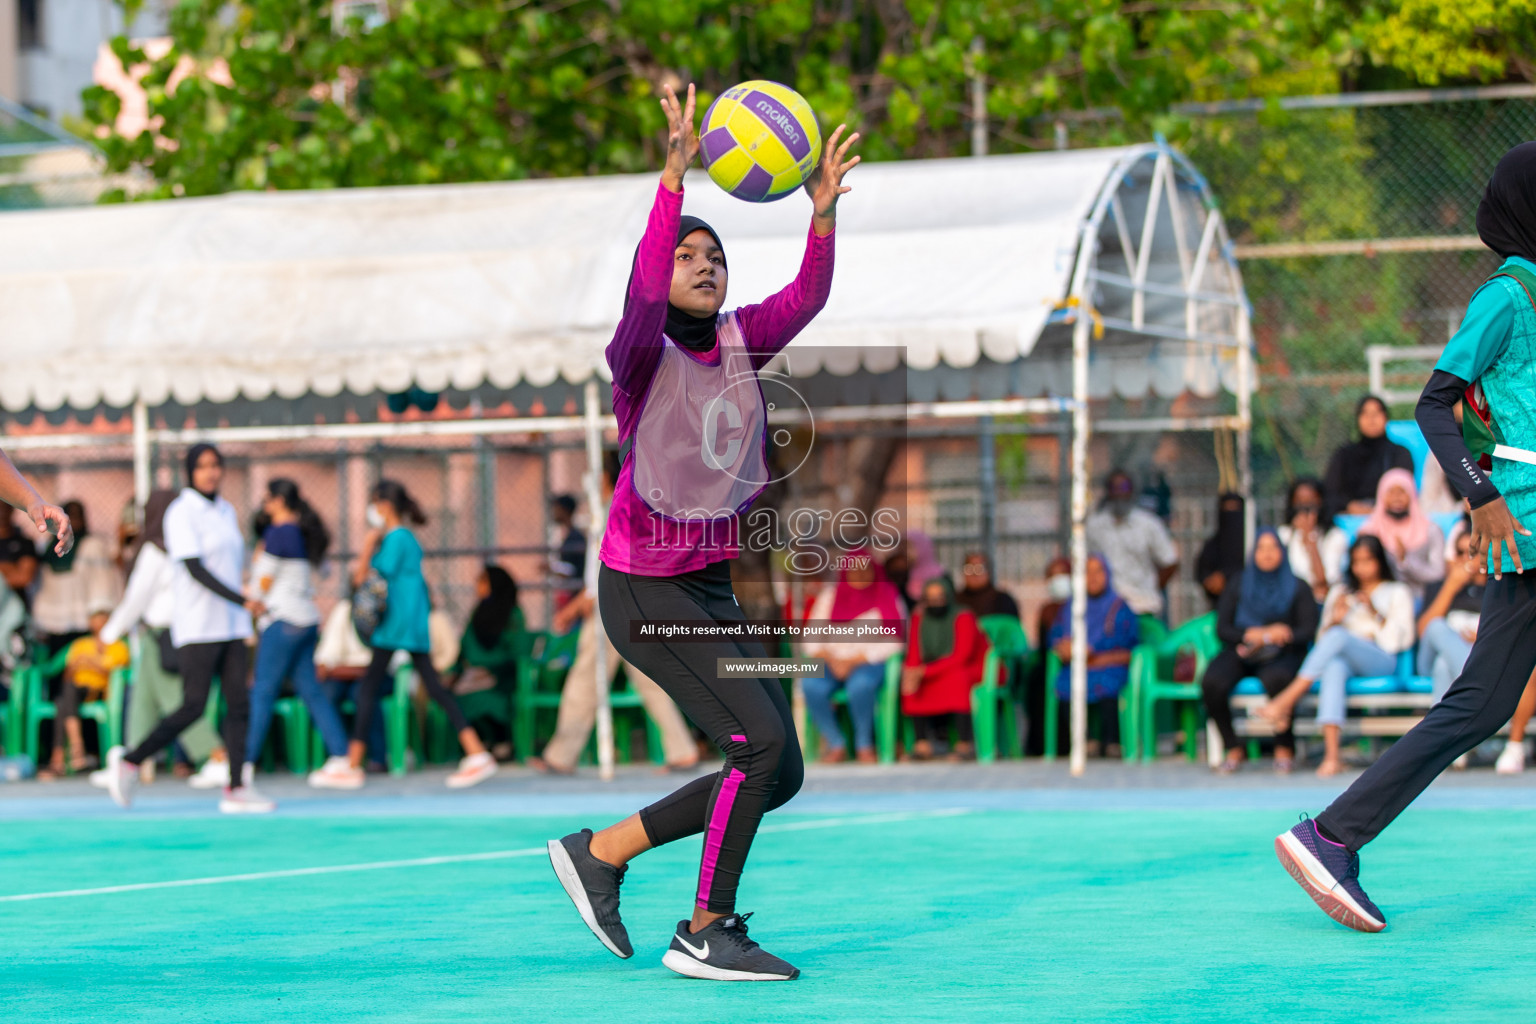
{"points": [[245, 800], [212, 775], [337, 773], [121, 777], [473, 770], [1512, 759], [98, 778]]}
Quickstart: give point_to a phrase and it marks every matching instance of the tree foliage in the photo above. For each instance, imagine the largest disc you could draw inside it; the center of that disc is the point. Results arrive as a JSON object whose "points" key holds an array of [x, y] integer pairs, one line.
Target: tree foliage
{"points": [[1482, 40], [468, 90]]}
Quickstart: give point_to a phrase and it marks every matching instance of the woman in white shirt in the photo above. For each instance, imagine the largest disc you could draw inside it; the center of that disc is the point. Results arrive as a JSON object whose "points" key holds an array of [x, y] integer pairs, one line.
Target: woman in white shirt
{"points": [[293, 543], [1367, 622], [148, 603], [1316, 551], [210, 624]]}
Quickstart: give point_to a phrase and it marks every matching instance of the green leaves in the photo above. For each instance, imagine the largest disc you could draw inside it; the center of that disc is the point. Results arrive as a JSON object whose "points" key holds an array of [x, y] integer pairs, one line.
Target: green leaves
{"points": [[466, 90]]}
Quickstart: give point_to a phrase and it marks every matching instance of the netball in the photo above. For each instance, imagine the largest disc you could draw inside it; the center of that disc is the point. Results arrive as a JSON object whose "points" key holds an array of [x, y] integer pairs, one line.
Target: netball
{"points": [[760, 141]]}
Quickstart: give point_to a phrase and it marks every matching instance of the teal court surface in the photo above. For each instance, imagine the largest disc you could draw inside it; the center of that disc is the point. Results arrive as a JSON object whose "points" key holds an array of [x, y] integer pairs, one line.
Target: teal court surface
{"points": [[1008, 893]]}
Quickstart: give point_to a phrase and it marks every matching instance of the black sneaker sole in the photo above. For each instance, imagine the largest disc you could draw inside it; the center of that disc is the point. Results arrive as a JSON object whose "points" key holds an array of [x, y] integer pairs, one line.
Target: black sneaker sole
{"points": [[570, 881], [1311, 877], [688, 967]]}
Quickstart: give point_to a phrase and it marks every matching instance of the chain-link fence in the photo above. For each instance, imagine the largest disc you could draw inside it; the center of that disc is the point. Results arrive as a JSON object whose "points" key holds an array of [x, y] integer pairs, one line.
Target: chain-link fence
{"points": [[486, 500], [1402, 183]]}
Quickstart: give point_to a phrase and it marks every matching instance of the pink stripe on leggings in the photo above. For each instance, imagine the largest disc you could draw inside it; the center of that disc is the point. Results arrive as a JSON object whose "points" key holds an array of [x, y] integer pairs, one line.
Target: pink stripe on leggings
{"points": [[716, 835]]}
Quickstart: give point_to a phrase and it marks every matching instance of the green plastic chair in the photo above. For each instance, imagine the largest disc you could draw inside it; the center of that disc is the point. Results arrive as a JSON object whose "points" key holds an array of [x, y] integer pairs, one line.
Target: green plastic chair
{"points": [[294, 716], [1151, 669], [994, 703], [107, 713], [399, 737], [1129, 709], [887, 716], [539, 681]]}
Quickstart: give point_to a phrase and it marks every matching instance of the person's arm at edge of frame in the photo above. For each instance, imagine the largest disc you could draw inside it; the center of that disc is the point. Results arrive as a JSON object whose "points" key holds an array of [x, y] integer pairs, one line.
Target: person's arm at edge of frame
{"points": [[17, 492]]}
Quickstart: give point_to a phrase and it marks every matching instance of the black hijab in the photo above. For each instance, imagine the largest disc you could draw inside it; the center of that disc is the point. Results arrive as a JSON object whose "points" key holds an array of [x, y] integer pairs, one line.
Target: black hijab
{"points": [[193, 454], [1357, 467], [695, 333], [493, 616], [1506, 218], [1224, 552]]}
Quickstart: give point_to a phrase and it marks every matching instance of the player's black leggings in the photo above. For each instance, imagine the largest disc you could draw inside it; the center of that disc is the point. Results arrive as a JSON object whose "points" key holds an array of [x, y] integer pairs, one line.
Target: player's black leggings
{"points": [[373, 678], [226, 659], [747, 718], [1478, 703]]}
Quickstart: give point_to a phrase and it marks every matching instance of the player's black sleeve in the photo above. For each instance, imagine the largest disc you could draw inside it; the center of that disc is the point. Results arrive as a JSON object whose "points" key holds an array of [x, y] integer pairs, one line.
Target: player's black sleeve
{"points": [[1437, 419], [200, 573]]}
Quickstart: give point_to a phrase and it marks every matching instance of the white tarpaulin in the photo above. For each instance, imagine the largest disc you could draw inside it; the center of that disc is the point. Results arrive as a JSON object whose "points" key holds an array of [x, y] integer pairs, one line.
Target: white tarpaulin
{"points": [[262, 294]]}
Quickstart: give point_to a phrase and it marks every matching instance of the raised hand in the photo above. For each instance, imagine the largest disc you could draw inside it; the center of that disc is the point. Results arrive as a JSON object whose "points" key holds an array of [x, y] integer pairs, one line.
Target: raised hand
{"points": [[826, 182], [682, 138]]}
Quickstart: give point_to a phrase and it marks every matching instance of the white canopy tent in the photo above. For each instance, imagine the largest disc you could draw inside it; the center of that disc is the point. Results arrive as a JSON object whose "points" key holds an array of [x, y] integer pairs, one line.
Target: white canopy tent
{"points": [[958, 264]]}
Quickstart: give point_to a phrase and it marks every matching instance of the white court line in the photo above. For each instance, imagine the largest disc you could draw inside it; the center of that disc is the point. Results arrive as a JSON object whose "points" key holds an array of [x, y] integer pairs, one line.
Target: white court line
{"points": [[457, 858]]}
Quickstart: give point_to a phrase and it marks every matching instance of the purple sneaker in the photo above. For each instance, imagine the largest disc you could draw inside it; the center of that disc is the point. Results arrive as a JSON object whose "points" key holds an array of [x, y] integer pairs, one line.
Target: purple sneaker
{"points": [[1331, 876]]}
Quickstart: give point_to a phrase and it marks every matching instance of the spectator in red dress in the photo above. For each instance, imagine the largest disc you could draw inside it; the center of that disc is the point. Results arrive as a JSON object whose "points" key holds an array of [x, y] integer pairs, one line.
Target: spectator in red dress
{"points": [[945, 657]]}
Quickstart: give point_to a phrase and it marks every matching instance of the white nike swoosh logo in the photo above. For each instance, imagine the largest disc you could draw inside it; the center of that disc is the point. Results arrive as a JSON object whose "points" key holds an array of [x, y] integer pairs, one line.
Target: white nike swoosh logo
{"points": [[701, 953]]}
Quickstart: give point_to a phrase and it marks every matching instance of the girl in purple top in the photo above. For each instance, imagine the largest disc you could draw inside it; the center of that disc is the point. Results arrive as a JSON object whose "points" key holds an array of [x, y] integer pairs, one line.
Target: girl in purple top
{"points": [[693, 423]]}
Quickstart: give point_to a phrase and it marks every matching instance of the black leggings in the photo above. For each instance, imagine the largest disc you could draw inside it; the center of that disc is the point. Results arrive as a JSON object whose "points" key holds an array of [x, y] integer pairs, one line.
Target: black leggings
{"points": [[1228, 669], [378, 672], [1481, 700], [748, 718], [226, 659]]}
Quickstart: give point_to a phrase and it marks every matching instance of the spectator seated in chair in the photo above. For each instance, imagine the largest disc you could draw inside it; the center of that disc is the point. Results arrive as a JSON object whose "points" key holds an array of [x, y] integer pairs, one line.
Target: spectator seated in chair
{"points": [[495, 639], [1367, 622], [1265, 621], [1414, 544], [88, 667], [1113, 630], [862, 593], [1448, 624], [946, 655]]}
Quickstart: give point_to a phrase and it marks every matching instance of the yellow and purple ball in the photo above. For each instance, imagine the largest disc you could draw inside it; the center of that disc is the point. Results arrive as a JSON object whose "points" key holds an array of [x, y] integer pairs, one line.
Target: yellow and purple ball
{"points": [[760, 141]]}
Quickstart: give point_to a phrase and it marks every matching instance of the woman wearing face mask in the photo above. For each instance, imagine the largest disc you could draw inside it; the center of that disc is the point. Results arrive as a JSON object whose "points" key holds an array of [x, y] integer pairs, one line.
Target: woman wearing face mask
{"points": [[1058, 591], [692, 420], [1356, 468], [391, 550], [1413, 542], [946, 653], [210, 624], [1266, 620]]}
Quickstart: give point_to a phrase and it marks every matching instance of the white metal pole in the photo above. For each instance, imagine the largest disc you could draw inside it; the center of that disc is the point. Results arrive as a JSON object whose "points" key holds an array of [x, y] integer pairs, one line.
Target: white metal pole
{"points": [[1080, 437], [599, 514], [141, 478], [1245, 383]]}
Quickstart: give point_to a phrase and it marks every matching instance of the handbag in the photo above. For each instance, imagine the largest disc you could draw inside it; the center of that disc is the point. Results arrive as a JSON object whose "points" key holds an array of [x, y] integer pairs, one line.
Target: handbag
{"points": [[370, 602], [170, 657]]}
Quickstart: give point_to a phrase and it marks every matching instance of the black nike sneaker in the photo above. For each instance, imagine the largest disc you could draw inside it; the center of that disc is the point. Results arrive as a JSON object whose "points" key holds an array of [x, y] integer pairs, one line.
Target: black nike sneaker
{"points": [[722, 952], [593, 885]]}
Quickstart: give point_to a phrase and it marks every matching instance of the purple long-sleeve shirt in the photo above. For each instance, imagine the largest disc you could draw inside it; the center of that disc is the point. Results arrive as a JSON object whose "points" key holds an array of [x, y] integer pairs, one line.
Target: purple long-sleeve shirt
{"points": [[635, 353]]}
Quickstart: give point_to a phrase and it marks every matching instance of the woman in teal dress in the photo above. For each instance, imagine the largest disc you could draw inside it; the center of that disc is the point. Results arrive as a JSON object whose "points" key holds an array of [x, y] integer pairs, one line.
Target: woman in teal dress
{"points": [[392, 551]]}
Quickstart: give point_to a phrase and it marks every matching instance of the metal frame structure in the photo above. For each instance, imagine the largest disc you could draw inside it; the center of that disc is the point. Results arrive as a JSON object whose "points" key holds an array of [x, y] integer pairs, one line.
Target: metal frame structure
{"points": [[1171, 173], [1110, 208]]}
